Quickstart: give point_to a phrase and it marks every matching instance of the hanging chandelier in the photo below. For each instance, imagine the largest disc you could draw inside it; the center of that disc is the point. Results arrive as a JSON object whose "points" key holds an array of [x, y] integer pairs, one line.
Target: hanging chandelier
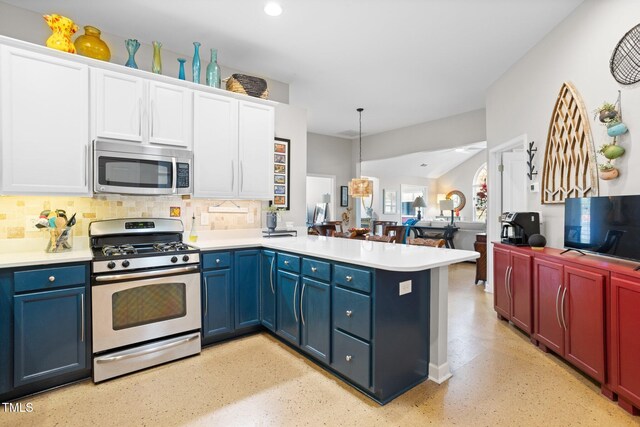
{"points": [[360, 187]]}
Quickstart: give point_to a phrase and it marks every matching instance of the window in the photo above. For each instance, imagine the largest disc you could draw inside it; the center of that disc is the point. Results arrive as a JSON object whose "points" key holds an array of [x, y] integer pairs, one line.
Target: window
{"points": [[479, 188]]}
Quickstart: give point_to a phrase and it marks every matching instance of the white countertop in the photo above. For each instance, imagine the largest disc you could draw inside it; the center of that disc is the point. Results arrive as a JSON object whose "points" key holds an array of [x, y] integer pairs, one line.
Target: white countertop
{"points": [[385, 256]]}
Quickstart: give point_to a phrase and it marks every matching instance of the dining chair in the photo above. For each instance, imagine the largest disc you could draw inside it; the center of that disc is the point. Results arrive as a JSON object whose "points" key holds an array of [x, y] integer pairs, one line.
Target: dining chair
{"points": [[382, 224], [325, 229], [397, 232]]}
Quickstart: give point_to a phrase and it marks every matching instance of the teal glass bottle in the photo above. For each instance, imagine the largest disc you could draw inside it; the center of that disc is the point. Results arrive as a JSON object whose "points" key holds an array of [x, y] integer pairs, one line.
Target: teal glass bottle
{"points": [[195, 66], [132, 46], [181, 70], [213, 70], [156, 65]]}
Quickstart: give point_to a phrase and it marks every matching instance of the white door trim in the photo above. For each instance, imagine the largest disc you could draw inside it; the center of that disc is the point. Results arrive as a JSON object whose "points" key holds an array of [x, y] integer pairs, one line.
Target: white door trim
{"points": [[494, 184]]}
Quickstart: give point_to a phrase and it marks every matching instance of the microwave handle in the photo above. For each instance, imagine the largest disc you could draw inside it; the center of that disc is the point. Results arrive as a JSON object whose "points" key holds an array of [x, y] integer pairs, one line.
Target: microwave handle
{"points": [[174, 184]]}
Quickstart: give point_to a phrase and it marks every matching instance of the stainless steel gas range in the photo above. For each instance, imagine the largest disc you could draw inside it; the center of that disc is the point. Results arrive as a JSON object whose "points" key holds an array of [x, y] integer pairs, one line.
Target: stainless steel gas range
{"points": [[145, 287]]}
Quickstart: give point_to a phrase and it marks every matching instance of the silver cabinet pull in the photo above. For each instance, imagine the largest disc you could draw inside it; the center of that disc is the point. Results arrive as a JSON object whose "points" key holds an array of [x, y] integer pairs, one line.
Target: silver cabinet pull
{"points": [[151, 118], [349, 313], [241, 177], [302, 303], [348, 358], [506, 282], [86, 161], [52, 278], [217, 260], [510, 286], [140, 117], [233, 177], [82, 317], [206, 297], [313, 269], [286, 263], [564, 294], [295, 290], [349, 278], [558, 305], [273, 291]]}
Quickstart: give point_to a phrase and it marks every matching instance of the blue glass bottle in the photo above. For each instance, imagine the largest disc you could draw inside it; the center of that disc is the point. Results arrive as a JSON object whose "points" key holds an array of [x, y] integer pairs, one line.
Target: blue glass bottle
{"points": [[181, 71], [213, 70], [195, 66], [132, 46]]}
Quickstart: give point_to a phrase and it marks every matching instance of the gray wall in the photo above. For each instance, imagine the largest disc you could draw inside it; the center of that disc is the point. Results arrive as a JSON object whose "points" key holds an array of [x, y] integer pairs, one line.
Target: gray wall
{"points": [[448, 132], [577, 51], [461, 178], [29, 26]]}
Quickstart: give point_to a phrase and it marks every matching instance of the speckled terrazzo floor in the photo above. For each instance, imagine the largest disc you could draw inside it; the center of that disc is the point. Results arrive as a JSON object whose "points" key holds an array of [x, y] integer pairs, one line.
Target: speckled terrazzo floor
{"points": [[499, 379]]}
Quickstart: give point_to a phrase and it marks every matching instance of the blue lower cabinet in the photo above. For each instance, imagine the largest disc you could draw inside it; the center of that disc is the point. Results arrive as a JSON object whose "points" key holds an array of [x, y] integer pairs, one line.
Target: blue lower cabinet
{"points": [[217, 302], [352, 358], [247, 288], [50, 334], [315, 314], [287, 304], [268, 285], [6, 331]]}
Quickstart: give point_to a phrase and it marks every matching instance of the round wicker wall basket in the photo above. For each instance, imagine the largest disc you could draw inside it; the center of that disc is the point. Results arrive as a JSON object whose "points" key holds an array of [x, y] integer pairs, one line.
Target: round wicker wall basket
{"points": [[248, 85]]}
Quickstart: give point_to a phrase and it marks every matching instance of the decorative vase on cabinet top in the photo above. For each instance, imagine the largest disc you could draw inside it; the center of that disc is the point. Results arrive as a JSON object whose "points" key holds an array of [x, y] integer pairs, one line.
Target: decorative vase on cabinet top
{"points": [[213, 70], [195, 66], [181, 61], [90, 44], [63, 28], [132, 46], [156, 66]]}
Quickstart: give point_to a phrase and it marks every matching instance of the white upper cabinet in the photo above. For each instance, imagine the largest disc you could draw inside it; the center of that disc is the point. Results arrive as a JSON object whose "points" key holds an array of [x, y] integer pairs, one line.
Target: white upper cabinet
{"points": [[255, 138], [134, 109], [233, 148], [44, 132], [118, 105], [215, 146]]}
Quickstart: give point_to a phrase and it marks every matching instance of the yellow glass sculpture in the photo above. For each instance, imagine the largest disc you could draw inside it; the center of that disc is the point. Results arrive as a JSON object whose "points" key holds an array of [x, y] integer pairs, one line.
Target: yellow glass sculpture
{"points": [[90, 44], [63, 28]]}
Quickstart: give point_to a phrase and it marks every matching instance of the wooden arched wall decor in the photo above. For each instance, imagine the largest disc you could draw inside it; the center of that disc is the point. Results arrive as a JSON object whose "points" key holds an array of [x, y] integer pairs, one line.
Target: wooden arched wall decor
{"points": [[570, 168]]}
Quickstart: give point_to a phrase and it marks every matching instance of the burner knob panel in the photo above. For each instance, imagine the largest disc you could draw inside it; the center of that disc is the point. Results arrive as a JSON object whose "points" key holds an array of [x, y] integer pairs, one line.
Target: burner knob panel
{"points": [[125, 263], [174, 259], [185, 258], [111, 265]]}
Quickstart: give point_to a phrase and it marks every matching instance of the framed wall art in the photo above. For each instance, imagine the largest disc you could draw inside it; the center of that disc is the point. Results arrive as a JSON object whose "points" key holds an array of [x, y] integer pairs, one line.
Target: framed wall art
{"points": [[281, 173], [344, 196], [390, 206]]}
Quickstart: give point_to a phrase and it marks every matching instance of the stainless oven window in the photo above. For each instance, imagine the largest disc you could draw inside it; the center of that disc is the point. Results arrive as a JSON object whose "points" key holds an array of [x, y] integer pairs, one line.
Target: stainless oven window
{"points": [[148, 304], [137, 173]]}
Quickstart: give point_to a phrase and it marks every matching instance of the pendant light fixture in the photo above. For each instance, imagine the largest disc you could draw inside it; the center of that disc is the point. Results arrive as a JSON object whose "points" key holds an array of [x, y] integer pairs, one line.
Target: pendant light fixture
{"points": [[360, 187]]}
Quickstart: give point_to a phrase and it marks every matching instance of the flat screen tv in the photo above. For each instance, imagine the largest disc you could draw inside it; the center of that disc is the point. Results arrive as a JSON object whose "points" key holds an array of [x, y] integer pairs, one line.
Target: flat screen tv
{"points": [[604, 225]]}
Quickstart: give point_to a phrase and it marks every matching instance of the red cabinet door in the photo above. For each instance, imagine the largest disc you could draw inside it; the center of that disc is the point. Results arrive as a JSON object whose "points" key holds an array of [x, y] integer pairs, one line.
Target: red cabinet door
{"points": [[625, 329], [520, 289], [583, 308], [501, 300], [547, 289]]}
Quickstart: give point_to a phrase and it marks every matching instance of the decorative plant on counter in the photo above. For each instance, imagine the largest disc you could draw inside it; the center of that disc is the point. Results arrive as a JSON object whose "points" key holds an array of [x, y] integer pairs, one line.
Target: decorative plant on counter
{"points": [[610, 115]]}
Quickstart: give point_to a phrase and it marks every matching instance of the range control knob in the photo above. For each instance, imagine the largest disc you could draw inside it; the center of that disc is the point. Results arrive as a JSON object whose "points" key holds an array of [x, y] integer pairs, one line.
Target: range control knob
{"points": [[111, 265], [126, 263], [174, 259], [185, 258]]}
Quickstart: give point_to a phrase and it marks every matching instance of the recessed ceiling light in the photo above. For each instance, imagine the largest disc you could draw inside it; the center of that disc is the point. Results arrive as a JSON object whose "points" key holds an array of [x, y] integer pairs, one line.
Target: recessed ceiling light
{"points": [[460, 150], [273, 9]]}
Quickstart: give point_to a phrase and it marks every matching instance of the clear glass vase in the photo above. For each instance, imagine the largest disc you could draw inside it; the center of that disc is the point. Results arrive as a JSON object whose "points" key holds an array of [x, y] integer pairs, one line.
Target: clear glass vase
{"points": [[213, 70]]}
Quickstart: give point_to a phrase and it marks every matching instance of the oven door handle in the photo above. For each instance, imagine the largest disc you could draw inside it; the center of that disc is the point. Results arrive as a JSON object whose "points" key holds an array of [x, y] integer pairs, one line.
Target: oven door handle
{"points": [[144, 274], [147, 351]]}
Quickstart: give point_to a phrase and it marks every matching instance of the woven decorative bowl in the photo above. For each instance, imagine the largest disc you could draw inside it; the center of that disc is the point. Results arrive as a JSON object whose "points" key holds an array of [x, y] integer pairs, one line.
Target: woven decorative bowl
{"points": [[248, 85]]}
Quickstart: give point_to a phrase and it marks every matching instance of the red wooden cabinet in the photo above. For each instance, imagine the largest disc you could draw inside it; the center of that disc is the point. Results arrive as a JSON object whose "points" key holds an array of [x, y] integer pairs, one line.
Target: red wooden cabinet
{"points": [[512, 287], [625, 342], [569, 312]]}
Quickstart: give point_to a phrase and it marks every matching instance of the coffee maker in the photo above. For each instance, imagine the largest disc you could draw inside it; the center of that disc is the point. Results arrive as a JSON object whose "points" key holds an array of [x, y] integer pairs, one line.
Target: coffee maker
{"points": [[517, 227]]}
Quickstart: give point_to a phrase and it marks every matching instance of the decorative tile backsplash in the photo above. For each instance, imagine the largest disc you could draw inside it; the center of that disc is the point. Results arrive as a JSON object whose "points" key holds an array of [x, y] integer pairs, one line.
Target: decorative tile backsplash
{"points": [[16, 210]]}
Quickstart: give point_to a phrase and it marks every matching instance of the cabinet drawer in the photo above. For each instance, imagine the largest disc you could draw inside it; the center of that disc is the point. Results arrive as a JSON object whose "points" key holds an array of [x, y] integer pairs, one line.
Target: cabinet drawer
{"points": [[289, 263], [351, 357], [216, 260], [352, 312], [49, 278], [352, 278], [316, 269]]}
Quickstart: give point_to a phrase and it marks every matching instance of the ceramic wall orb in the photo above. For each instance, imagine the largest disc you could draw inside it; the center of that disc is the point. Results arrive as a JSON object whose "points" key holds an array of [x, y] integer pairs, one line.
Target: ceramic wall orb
{"points": [[537, 241]]}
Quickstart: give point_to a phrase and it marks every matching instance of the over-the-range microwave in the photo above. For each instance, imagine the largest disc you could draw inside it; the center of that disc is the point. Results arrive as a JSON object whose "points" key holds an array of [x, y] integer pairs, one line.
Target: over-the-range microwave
{"points": [[132, 168]]}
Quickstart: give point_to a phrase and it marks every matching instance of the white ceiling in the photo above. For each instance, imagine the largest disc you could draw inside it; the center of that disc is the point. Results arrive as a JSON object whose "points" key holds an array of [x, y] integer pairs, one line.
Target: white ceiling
{"points": [[424, 164], [404, 61]]}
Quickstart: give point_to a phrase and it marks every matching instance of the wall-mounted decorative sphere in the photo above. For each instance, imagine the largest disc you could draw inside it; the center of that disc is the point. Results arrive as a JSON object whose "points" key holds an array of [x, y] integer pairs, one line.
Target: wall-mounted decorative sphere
{"points": [[537, 241]]}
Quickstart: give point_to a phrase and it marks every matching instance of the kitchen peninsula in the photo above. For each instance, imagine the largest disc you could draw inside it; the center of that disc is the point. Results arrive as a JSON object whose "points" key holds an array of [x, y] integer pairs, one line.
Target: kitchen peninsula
{"points": [[374, 313]]}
